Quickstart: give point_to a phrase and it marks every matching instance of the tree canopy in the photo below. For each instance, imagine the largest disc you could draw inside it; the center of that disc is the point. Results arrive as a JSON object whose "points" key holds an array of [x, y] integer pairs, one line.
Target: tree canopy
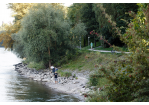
{"points": [[19, 11], [117, 11], [46, 35]]}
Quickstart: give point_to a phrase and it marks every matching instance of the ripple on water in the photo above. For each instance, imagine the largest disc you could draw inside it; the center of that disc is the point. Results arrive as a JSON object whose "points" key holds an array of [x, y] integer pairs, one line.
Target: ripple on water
{"points": [[16, 88]]}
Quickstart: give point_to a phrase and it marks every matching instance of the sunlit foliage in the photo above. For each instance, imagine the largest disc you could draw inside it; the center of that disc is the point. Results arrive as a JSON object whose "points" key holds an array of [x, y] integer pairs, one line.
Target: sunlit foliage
{"points": [[46, 35]]}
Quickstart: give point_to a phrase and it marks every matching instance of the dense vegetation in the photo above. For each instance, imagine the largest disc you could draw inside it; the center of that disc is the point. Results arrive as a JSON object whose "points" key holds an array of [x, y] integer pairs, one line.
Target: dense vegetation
{"points": [[92, 16], [128, 76], [45, 34]]}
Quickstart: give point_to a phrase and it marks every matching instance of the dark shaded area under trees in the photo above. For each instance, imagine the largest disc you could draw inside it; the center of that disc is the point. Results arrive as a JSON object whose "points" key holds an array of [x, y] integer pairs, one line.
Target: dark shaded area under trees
{"points": [[90, 14]]}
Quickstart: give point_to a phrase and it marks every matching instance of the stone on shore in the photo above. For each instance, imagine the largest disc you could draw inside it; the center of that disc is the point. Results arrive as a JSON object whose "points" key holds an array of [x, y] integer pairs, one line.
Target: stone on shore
{"points": [[68, 85]]}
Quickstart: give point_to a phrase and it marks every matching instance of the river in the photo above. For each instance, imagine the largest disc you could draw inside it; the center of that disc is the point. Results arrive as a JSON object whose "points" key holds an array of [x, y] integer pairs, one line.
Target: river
{"points": [[16, 88]]}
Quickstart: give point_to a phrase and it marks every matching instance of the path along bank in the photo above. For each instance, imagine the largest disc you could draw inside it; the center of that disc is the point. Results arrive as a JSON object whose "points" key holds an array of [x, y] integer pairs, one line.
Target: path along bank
{"points": [[71, 85]]}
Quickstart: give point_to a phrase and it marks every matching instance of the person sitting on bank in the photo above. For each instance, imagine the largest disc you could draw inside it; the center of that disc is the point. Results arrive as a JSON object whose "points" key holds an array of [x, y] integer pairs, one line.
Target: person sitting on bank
{"points": [[55, 76]]}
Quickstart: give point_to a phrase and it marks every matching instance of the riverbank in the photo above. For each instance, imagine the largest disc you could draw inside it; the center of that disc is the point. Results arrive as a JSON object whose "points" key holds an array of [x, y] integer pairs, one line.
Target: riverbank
{"points": [[74, 86]]}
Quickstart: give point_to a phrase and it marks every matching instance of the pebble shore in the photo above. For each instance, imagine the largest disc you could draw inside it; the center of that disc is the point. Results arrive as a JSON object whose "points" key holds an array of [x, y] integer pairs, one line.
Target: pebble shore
{"points": [[74, 86]]}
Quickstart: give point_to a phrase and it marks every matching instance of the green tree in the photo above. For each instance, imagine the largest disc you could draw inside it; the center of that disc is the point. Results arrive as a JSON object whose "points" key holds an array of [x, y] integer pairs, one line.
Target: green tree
{"points": [[84, 12], [74, 13], [46, 35], [19, 11], [117, 11], [129, 74], [88, 17]]}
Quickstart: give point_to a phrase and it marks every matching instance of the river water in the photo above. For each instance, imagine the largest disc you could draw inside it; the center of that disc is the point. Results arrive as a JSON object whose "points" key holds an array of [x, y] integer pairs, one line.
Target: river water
{"points": [[16, 88]]}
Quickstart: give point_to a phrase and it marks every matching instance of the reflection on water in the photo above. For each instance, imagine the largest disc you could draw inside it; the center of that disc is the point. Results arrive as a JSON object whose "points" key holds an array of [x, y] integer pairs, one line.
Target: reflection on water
{"points": [[16, 88], [23, 89]]}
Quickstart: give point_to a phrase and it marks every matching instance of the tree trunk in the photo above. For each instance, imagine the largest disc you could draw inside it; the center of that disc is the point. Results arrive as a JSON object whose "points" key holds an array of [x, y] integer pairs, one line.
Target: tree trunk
{"points": [[49, 63], [49, 56]]}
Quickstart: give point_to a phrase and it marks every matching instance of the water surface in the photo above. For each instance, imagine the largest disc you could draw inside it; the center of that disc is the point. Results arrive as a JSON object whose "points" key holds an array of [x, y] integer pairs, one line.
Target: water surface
{"points": [[16, 88]]}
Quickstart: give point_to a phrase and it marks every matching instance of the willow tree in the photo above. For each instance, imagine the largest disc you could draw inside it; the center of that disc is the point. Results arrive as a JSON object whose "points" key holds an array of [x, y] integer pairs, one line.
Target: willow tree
{"points": [[46, 35], [19, 11]]}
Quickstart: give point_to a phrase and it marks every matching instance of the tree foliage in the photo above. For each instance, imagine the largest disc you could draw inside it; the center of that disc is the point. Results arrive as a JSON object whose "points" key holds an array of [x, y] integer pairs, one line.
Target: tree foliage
{"points": [[88, 17], [5, 35], [46, 35], [74, 13], [117, 11], [129, 74], [83, 12], [19, 11]]}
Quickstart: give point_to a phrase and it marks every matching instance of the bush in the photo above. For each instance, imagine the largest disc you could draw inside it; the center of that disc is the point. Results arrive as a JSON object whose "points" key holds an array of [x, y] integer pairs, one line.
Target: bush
{"points": [[68, 74], [94, 79], [68, 57], [129, 75], [64, 74], [37, 66], [26, 61], [98, 96]]}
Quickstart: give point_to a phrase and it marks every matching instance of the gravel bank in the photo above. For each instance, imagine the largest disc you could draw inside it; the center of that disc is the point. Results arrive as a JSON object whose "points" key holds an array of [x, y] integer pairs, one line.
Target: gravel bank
{"points": [[77, 87]]}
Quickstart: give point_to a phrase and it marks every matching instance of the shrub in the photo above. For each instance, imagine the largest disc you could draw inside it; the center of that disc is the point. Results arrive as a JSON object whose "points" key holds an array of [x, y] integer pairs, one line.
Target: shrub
{"points": [[68, 57], [98, 96], [37, 66], [64, 74], [94, 79], [129, 75], [25, 61]]}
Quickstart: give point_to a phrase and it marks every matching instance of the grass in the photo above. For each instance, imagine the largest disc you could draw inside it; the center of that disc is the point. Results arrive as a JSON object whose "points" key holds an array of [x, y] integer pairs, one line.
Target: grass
{"points": [[85, 49], [101, 48], [91, 61], [64, 74], [88, 59], [96, 97], [125, 49]]}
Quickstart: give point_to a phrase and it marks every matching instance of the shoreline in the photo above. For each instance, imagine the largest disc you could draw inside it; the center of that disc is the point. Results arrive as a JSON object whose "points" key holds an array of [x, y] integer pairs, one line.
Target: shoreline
{"points": [[76, 87]]}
